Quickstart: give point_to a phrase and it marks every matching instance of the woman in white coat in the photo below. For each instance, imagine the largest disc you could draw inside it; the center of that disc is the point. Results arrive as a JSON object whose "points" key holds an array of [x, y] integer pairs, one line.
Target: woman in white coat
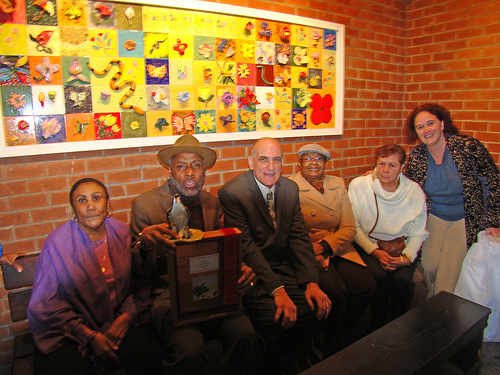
{"points": [[387, 205], [330, 223]]}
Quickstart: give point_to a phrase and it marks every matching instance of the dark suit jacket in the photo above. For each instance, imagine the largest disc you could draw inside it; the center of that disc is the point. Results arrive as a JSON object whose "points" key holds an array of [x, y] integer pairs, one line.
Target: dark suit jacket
{"points": [[286, 250], [149, 208]]}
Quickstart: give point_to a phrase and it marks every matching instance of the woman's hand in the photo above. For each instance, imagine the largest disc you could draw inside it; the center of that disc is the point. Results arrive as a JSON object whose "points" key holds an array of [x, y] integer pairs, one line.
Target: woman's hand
{"points": [[495, 232], [322, 263], [387, 262], [247, 280], [116, 332], [103, 347]]}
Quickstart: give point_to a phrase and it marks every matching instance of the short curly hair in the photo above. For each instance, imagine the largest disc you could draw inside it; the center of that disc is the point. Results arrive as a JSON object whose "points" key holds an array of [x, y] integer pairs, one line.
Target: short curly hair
{"points": [[392, 149], [437, 110]]}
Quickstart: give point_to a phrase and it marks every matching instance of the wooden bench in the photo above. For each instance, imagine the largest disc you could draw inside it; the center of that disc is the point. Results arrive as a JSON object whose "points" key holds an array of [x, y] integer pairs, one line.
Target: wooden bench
{"points": [[19, 285], [443, 335]]}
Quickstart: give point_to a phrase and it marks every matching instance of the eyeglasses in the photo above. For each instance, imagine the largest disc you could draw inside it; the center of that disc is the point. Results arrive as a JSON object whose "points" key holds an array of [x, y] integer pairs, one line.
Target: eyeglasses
{"points": [[309, 159]]}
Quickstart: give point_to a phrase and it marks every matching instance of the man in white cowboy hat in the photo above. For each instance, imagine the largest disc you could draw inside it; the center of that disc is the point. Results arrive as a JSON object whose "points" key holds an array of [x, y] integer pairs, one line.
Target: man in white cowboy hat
{"points": [[187, 160]]}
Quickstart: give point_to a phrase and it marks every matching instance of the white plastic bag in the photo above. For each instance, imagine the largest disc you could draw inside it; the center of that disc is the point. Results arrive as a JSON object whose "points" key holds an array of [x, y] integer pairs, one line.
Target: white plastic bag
{"points": [[478, 281]]}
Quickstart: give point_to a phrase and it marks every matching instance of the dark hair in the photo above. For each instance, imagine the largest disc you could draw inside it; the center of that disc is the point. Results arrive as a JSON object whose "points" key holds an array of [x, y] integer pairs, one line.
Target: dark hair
{"points": [[388, 150], [437, 110], [83, 181]]}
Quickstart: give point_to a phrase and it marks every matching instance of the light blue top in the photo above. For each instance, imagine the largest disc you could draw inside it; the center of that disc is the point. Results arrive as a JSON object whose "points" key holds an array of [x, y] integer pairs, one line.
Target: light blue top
{"points": [[444, 188]]}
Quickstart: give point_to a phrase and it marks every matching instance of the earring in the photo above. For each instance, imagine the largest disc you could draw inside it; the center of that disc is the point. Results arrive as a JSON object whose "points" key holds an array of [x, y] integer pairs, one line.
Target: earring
{"points": [[109, 213]]}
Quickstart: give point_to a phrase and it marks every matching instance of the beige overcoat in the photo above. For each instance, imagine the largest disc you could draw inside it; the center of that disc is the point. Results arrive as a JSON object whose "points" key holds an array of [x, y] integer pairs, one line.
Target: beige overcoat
{"points": [[329, 216]]}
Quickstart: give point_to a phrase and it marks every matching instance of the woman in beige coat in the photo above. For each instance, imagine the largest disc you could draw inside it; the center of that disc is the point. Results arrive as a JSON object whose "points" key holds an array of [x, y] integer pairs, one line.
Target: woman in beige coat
{"points": [[330, 223]]}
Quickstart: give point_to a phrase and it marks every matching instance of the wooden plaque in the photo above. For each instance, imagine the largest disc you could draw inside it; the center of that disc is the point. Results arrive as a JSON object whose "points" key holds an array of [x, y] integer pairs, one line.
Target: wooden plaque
{"points": [[203, 277]]}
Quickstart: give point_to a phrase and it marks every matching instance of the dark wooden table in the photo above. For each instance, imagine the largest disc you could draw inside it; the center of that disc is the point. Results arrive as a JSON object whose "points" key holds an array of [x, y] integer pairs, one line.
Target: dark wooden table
{"points": [[444, 329]]}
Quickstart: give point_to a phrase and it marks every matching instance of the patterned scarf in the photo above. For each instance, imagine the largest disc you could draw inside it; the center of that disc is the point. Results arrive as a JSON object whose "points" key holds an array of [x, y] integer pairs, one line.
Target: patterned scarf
{"points": [[316, 183]]}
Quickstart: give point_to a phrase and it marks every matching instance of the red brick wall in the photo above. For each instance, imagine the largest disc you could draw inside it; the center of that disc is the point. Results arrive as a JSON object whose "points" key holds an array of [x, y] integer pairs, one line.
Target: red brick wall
{"points": [[453, 58]]}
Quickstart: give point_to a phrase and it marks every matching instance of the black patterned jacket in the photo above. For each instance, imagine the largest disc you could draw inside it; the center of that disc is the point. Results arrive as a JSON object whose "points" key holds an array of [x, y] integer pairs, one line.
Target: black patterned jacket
{"points": [[474, 164]]}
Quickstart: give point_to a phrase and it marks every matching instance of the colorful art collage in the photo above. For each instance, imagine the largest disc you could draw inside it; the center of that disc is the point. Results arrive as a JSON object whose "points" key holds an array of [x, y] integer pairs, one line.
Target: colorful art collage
{"points": [[73, 71]]}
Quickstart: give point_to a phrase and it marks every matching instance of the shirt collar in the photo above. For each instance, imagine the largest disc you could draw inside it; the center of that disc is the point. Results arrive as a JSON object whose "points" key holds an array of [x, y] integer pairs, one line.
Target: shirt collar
{"points": [[264, 189]]}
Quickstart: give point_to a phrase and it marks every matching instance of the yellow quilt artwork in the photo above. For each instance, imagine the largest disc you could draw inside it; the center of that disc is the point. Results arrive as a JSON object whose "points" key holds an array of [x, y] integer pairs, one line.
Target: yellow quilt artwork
{"points": [[81, 71]]}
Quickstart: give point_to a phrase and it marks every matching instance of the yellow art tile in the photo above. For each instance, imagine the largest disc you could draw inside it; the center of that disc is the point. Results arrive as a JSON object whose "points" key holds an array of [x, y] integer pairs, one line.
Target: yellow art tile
{"points": [[225, 26], [315, 37], [203, 23], [299, 77], [181, 72], [283, 97], [43, 41], [72, 13], [103, 42], [180, 19], [226, 97], [204, 97], [156, 45], [181, 46], [204, 72], [244, 28], [155, 19], [265, 119], [315, 58], [12, 39], [299, 35], [329, 80], [245, 51], [329, 59], [182, 97], [159, 123], [75, 41], [227, 121], [282, 119]]}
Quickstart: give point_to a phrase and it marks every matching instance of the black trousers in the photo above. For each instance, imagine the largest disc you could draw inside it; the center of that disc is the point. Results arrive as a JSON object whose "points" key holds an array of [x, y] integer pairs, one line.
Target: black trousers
{"points": [[139, 354], [394, 290], [224, 346], [292, 350], [351, 288]]}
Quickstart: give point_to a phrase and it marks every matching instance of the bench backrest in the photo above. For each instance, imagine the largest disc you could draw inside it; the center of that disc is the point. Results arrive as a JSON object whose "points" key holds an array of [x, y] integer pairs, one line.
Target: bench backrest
{"points": [[19, 285]]}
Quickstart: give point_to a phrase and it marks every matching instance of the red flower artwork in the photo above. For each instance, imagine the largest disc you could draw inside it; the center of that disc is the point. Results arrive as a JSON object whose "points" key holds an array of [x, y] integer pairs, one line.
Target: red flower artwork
{"points": [[321, 109]]}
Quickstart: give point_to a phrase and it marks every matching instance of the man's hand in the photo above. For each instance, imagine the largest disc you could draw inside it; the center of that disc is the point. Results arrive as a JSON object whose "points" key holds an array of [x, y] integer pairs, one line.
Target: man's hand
{"points": [[315, 294], [116, 332], [247, 280], [285, 307], [10, 260], [159, 237]]}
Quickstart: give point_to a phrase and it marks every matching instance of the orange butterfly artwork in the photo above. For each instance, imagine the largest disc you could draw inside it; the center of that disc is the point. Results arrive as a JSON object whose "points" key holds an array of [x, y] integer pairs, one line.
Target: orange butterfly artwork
{"points": [[156, 71], [183, 124]]}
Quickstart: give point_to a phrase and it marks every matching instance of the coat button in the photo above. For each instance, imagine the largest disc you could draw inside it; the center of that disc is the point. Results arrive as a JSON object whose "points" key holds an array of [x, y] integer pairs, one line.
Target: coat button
{"points": [[331, 213], [313, 213]]}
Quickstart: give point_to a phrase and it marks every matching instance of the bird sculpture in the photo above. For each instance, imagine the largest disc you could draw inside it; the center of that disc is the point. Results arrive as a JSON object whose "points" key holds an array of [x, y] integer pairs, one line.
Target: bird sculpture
{"points": [[178, 217]]}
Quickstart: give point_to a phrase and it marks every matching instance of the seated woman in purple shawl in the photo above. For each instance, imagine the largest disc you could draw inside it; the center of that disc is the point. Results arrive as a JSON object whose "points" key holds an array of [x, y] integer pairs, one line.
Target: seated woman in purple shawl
{"points": [[82, 311]]}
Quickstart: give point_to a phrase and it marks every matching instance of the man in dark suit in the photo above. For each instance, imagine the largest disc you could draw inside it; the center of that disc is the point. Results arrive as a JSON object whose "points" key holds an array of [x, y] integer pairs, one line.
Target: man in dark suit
{"points": [[265, 207], [187, 161]]}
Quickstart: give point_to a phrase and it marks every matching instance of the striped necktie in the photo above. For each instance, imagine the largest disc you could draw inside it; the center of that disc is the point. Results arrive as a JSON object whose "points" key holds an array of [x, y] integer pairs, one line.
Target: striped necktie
{"points": [[270, 206]]}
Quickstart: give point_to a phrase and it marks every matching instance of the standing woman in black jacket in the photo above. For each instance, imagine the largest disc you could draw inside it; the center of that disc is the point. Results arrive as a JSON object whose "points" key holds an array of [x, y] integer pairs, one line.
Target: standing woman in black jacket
{"points": [[461, 182]]}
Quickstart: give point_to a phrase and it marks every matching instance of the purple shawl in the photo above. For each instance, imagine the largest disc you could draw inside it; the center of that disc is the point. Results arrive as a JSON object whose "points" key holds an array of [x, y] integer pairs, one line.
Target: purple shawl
{"points": [[69, 290]]}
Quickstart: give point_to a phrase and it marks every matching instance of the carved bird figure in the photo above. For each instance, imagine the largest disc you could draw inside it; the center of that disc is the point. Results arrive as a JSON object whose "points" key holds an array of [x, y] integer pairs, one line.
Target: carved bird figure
{"points": [[178, 217]]}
